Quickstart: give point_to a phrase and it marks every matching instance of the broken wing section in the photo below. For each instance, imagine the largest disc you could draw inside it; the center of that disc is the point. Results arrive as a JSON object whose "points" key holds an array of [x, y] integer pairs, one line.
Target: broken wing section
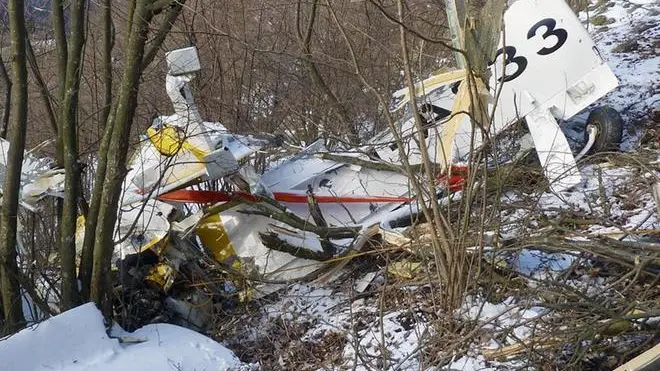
{"points": [[39, 178]]}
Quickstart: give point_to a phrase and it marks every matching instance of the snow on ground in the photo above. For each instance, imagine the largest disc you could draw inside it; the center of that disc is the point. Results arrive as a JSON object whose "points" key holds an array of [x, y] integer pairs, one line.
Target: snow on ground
{"points": [[77, 340], [628, 42], [325, 311], [369, 340], [617, 199]]}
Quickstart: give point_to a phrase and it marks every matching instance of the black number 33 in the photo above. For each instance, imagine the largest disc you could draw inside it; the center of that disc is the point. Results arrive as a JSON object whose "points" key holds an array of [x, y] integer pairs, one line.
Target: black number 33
{"points": [[520, 61], [550, 30]]}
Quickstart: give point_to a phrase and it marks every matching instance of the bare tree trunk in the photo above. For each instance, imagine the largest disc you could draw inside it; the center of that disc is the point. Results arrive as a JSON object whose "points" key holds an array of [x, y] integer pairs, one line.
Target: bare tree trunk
{"points": [[88, 259], [2, 314], [106, 59], [121, 120], [43, 88], [113, 162], [57, 12], [85, 272], [482, 35], [9, 277], [165, 27], [69, 137], [7, 104]]}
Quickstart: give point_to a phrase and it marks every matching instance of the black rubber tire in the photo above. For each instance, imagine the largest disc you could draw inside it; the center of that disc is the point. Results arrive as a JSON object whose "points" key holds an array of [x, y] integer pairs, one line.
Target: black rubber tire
{"points": [[610, 129]]}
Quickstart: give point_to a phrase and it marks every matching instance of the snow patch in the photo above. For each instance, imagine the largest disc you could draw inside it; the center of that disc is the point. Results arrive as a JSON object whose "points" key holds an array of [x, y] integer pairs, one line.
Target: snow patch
{"points": [[77, 340]]}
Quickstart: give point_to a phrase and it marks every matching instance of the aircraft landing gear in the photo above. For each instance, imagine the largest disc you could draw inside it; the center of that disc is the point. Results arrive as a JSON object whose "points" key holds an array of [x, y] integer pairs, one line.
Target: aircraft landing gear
{"points": [[604, 129]]}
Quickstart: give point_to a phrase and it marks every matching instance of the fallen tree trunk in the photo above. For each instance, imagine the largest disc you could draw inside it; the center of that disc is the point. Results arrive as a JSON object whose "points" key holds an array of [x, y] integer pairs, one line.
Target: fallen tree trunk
{"points": [[273, 242]]}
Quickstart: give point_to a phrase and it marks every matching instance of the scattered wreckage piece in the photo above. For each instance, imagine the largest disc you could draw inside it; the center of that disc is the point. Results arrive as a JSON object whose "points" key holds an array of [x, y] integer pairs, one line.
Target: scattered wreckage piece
{"points": [[549, 70], [39, 177], [265, 231]]}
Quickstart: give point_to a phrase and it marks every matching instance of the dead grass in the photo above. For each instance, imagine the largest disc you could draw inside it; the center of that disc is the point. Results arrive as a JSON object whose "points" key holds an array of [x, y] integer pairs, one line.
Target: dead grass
{"points": [[602, 20]]}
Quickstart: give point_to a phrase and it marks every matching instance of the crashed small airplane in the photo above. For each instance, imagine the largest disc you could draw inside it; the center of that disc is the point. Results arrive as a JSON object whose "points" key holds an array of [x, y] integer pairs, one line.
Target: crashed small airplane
{"points": [[316, 206]]}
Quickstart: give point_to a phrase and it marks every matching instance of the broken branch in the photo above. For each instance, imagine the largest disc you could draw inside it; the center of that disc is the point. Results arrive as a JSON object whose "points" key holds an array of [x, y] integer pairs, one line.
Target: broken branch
{"points": [[272, 241]]}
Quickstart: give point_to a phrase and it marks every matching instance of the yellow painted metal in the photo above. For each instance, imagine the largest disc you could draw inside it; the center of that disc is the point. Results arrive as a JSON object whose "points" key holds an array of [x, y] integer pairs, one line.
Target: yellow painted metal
{"points": [[80, 233], [161, 276], [169, 141], [438, 80], [404, 269], [426, 86], [155, 244], [246, 295], [80, 222], [79, 239], [214, 237], [462, 104]]}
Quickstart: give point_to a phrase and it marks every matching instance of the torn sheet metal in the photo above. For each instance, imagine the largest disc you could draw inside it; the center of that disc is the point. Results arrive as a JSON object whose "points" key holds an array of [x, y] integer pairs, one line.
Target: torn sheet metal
{"points": [[245, 232], [234, 239], [49, 183], [144, 226], [549, 63], [348, 194], [167, 159], [38, 178]]}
